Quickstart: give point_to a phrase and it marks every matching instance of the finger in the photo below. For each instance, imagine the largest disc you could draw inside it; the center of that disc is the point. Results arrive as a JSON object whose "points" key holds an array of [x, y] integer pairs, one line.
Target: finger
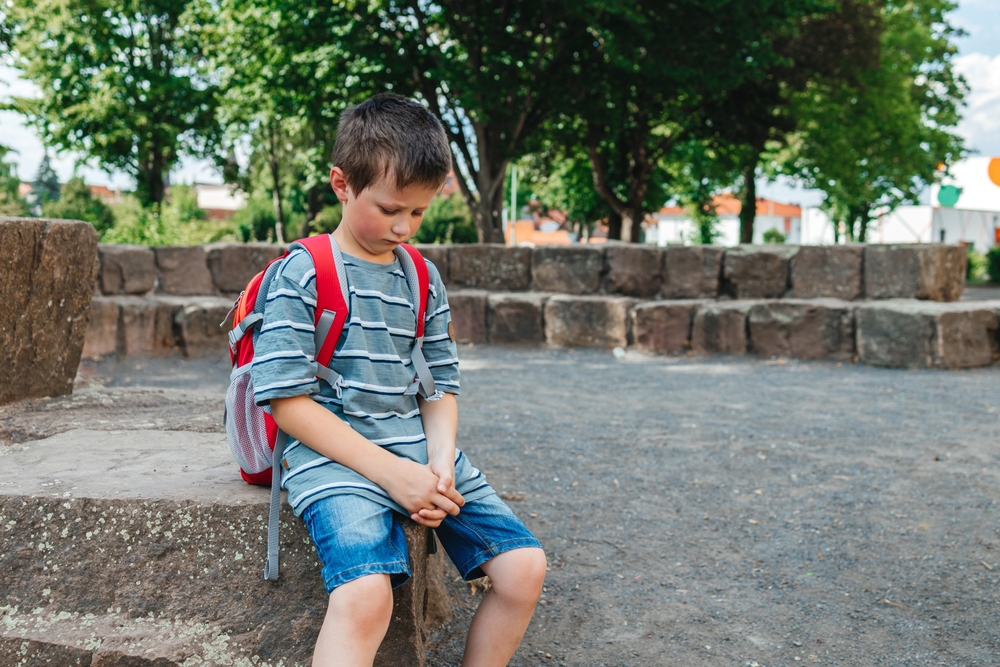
{"points": [[445, 483], [433, 514], [446, 503], [455, 497], [430, 523]]}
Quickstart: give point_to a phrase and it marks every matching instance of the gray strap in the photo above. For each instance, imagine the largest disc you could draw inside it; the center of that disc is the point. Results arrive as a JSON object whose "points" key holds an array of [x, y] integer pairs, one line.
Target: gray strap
{"points": [[237, 332], [271, 566], [338, 261], [412, 389], [323, 328], [423, 370]]}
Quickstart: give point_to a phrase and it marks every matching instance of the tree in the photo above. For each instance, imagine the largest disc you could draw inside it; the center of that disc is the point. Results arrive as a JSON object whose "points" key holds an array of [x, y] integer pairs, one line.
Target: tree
{"points": [[119, 83], [446, 220], [77, 203], [877, 144], [46, 184], [491, 72]]}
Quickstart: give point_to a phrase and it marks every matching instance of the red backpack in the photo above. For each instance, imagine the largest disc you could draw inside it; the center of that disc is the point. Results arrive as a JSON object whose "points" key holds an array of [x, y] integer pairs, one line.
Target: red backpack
{"points": [[254, 438]]}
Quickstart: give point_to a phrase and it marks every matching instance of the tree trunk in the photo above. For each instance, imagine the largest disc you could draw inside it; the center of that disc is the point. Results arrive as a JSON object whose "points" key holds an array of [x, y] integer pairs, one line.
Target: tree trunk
{"points": [[748, 205], [488, 212], [314, 204], [614, 226], [279, 212], [865, 216]]}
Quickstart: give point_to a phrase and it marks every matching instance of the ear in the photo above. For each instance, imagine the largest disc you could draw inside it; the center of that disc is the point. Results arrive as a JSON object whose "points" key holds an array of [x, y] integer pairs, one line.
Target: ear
{"points": [[339, 184]]}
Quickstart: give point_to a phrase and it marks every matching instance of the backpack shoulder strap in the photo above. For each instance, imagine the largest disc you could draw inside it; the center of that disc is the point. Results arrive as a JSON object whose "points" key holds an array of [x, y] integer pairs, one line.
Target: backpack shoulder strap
{"points": [[419, 281], [331, 293]]}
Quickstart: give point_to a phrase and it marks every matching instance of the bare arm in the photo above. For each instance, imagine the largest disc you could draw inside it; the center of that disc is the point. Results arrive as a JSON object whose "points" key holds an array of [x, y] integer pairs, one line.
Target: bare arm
{"points": [[413, 486], [440, 419]]}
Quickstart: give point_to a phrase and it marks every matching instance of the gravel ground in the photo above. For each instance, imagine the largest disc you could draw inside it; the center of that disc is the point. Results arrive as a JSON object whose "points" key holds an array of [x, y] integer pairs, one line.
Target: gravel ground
{"points": [[696, 511]]}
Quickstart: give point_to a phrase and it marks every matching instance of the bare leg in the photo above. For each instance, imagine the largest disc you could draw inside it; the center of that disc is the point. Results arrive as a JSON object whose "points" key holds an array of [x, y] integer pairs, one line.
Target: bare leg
{"points": [[355, 623], [505, 611]]}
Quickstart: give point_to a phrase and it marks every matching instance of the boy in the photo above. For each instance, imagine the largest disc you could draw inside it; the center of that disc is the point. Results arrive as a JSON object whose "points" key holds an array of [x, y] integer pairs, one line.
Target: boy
{"points": [[362, 452]]}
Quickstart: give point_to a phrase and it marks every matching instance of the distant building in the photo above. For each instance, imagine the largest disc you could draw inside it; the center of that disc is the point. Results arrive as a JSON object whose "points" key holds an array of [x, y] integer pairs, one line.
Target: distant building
{"points": [[675, 226], [219, 202]]}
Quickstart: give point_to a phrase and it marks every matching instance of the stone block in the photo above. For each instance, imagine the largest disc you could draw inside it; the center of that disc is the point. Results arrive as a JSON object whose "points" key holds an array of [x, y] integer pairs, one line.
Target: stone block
{"points": [[757, 272], [47, 273], [833, 271], [691, 272], [184, 270], [126, 269], [932, 271], [468, 314], [587, 321], [634, 269], [102, 329], [910, 333], [516, 317], [489, 266], [233, 264], [437, 255], [158, 552], [664, 327], [197, 326], [146, 326], [803, 329], [567, 269], [721, 327]]}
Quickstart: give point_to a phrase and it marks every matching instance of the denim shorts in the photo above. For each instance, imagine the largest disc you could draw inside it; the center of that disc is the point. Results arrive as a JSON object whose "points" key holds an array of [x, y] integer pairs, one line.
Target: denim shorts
{"points": [[355, 536]]}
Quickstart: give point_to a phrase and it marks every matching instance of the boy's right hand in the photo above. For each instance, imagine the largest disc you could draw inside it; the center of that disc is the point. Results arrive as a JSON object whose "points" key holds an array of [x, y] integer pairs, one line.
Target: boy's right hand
{"points": [[415, 488]]}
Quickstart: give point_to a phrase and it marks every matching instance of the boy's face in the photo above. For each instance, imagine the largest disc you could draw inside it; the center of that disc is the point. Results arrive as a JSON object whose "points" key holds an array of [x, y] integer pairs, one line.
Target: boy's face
{"points": [[379, 218]]}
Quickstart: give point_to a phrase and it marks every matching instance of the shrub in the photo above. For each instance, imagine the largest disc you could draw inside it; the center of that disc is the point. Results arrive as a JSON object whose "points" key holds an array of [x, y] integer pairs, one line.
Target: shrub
{"points": [[975, 268], [993, 263], [447, 220], [773, 236], [76, 203]]}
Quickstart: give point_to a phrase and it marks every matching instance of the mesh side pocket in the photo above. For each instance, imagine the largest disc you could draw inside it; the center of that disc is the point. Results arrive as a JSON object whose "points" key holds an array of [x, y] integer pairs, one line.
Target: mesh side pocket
{"points": [[245, 427]]}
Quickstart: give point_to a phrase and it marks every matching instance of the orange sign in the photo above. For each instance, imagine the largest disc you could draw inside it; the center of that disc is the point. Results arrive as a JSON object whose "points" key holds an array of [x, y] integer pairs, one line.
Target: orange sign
{"points": [[994, 170]]}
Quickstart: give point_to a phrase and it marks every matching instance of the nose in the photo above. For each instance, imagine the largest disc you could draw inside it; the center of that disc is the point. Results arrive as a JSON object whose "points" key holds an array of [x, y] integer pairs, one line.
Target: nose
{"points": [[400, 226]]}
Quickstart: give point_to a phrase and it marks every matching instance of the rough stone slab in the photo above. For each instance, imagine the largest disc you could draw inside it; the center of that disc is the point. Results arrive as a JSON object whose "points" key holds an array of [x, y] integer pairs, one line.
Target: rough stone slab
{"points": [[21, 653], [932, 271], [233, 264], [490, 266], [634, 269], [691, 272], [437, 255], [587, 321], [721, 327], [468, 314], [146, 326], [47, 272], [757, 272], [126, 269], [911, 333], [567, 269], [102, 329], [833, 271], [803, 329], [184, 270], [516, 317], [664, 327], [160, 548], [197, 326]]}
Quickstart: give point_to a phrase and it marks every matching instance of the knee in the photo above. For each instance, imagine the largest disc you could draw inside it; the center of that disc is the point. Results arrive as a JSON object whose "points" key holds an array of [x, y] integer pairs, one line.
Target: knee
{"points": [[521, 576], [365, 604]]}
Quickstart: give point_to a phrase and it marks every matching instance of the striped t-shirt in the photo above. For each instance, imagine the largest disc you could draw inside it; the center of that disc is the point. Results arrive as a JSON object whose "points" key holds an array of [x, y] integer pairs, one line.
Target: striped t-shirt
{"points": [[372, 356]]}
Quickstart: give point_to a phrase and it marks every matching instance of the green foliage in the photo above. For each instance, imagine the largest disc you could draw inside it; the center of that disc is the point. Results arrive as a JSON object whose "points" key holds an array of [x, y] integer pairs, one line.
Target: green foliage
{"points": [[11, 203], [447, 220], [327, 220], [138, 225], [876, 144], [773, 236], [77, 203], [993, 264], [118, 83], [562, 181], [256, 221], [975, 268]]}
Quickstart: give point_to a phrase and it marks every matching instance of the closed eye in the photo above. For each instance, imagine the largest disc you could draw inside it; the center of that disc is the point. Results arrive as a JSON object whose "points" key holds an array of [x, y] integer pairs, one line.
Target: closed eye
{"points": [[388, 211]]}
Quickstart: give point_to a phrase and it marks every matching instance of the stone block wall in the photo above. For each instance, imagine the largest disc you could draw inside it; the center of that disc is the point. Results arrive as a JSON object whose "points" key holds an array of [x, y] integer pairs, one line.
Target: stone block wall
{"points": [[882, 304]]}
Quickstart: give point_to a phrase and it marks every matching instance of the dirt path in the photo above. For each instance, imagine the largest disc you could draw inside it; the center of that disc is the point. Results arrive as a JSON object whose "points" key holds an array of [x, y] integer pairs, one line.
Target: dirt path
{"points": [[706, 511]]}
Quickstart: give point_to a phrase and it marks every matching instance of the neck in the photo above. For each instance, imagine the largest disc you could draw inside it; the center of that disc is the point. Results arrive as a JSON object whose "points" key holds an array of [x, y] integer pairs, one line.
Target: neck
{"points": [[350, 246]]}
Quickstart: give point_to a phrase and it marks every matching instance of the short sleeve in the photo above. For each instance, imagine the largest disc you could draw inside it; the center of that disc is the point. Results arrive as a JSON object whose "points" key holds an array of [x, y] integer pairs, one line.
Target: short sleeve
{"points": [[440, 350], [284, 349]]}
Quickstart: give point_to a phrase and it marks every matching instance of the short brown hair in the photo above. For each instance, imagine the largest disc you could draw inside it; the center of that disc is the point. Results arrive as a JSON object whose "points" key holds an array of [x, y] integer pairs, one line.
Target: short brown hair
{"points": [[390, 134]]}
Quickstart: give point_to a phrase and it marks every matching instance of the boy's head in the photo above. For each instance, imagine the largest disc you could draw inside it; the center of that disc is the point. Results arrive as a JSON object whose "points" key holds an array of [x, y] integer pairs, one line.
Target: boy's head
{"points": [[391, 138]]}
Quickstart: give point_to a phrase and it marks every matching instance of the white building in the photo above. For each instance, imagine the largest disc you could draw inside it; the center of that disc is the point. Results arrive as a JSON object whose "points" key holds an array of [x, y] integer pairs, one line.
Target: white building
{"points": [[675, 226], [219, 201]]}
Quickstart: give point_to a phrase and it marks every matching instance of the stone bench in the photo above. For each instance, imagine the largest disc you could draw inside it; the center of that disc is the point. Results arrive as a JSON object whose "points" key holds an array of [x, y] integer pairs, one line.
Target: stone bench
{"points": [[144, 548]]}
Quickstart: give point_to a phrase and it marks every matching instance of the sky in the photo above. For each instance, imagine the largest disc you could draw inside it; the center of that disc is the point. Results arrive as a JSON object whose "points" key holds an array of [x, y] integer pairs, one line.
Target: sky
{"points": [[978, 61]]}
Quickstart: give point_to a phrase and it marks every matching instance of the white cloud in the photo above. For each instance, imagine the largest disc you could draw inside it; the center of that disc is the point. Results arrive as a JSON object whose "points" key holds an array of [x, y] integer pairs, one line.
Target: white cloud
{"points": [[980, 123]]}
